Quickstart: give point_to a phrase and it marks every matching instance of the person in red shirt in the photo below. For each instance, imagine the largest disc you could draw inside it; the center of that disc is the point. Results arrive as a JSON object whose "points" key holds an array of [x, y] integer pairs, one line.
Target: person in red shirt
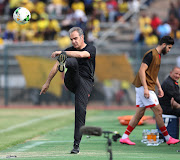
{"points": [[112, 7], [155, 21]]}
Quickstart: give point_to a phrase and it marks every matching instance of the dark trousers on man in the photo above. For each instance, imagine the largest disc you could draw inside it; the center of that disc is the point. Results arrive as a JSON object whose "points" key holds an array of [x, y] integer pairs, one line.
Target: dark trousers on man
{"points": [[170, 111], [82, 88]]}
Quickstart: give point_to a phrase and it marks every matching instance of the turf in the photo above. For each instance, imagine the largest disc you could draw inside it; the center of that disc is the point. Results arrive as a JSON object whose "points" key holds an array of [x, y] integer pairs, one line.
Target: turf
{"points": [[52, 138]]}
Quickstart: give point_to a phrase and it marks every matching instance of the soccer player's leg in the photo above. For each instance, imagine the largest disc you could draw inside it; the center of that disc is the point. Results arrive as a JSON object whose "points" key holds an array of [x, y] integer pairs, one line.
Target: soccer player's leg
{"points": [[158, 116], [132, 124]]}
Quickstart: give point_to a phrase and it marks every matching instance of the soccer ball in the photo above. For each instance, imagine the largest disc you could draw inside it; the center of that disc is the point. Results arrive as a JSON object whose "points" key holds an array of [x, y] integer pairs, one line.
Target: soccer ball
{"points": [[21, 15]]}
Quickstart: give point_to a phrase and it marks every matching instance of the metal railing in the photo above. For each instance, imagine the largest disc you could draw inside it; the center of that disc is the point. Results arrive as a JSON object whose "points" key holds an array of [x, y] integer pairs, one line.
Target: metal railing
{"points": [[102, 39]]}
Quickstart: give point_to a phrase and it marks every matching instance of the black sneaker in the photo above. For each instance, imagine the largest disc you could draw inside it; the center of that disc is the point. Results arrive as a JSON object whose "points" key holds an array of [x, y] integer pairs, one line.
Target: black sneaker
{"points": [[62, 58], [75, 149], [61, 67]]}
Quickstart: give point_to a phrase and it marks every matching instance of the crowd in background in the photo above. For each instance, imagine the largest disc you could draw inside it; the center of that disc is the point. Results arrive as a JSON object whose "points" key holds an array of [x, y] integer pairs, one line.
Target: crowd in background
{"points": [[152, 27], [51, 19]]}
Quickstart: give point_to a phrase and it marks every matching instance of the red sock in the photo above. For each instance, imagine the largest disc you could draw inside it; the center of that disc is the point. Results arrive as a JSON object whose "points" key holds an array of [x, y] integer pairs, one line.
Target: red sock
{"points": [[129, 129], [164, 131]]}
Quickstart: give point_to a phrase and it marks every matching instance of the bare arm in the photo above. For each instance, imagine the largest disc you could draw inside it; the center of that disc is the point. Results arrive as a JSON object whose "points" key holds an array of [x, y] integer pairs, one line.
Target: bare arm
{"points": [[50, 77], [174, 104], [77, 54], [142, 76]]}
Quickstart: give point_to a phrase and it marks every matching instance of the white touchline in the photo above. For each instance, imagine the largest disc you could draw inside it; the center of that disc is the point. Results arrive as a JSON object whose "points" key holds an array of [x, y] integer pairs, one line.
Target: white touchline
{"points": [[35, 120], [26, 147], [29, 146]]}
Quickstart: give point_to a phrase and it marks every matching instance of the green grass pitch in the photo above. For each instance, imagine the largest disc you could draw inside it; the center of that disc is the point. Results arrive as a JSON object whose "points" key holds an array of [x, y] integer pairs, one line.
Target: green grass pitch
{"points": [[40, 134]]}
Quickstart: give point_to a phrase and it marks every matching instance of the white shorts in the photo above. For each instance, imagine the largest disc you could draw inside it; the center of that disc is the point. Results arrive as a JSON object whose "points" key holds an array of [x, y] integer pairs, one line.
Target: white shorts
{"points": [[141, 101]]}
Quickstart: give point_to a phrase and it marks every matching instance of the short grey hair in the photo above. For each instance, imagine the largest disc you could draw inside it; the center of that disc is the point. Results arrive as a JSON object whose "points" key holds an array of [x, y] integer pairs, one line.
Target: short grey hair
{"points": [[78, 29]]}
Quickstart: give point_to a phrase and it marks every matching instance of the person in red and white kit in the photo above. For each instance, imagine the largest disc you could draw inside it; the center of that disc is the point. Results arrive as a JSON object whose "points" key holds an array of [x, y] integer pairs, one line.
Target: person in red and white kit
{"points": [[145, 82]]}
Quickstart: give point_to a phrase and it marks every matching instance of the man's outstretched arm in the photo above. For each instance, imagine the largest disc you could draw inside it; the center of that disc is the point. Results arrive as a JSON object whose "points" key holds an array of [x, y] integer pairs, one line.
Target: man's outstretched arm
{"points": [[50, 77]]}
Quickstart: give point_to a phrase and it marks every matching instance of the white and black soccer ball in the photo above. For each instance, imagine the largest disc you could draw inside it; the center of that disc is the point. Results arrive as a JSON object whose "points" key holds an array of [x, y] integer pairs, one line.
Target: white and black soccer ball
{"points": [[22, 15]]}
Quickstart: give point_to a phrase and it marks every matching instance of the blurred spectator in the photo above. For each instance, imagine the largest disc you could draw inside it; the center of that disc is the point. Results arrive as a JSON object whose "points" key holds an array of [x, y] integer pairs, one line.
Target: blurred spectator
{"points": [[108, 92], [11, 32], [69, 19], [155, 21], [174, 23], [27, 4], [32, 30], [40, 7], [144, 20], [112, 7], [178, 9], [34, 15], [56, 7], [151, 39], [1, 42], [45, 1], [42, 24], [88, 6], [138, 37], [8, 36], [125, 86], [144, 28], [63, 40], [23, 30], [122, 9], [1, 39], [13, 4], [93, 28], [173, 10], [33, 27], [163, 29], [80, 20], [100, 9], [78, 5], [134, 5], [148, 2], [2, 6], [52, 30]]}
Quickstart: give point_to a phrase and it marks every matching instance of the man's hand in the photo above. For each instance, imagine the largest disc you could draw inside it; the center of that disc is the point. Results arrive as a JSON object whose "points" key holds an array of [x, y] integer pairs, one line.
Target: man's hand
{"points": [[174, 104], [44, 88], [146, 93], [56, 53], [160, 93]]}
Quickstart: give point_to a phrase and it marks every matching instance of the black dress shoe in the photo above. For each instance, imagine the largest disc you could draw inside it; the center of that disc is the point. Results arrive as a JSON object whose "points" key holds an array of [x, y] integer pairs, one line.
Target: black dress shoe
{"points": [[75, 149]]}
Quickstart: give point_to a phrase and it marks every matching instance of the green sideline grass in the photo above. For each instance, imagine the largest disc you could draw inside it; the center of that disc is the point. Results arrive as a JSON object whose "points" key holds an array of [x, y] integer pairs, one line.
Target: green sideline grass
{"points": [[18, 125], [52, 138]]}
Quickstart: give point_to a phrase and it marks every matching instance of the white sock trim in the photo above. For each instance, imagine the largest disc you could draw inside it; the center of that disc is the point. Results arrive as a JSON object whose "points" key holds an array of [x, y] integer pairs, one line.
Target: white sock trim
{"points": [[167, 137], [125, 136]]}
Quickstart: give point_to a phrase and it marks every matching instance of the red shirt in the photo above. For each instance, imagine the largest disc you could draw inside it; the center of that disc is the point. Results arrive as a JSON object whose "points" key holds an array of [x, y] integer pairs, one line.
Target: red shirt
{"points": [[155, 22]]}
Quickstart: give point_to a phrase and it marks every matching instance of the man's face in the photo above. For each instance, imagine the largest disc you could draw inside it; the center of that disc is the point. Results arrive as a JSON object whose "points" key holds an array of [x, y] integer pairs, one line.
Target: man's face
{"points": [[166, 48], [77, 41], [175, 74]]}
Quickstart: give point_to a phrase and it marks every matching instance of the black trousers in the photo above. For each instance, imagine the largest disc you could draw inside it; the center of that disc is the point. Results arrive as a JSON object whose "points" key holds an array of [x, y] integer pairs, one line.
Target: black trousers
{"points": [[82, 88], [170, 111]]}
